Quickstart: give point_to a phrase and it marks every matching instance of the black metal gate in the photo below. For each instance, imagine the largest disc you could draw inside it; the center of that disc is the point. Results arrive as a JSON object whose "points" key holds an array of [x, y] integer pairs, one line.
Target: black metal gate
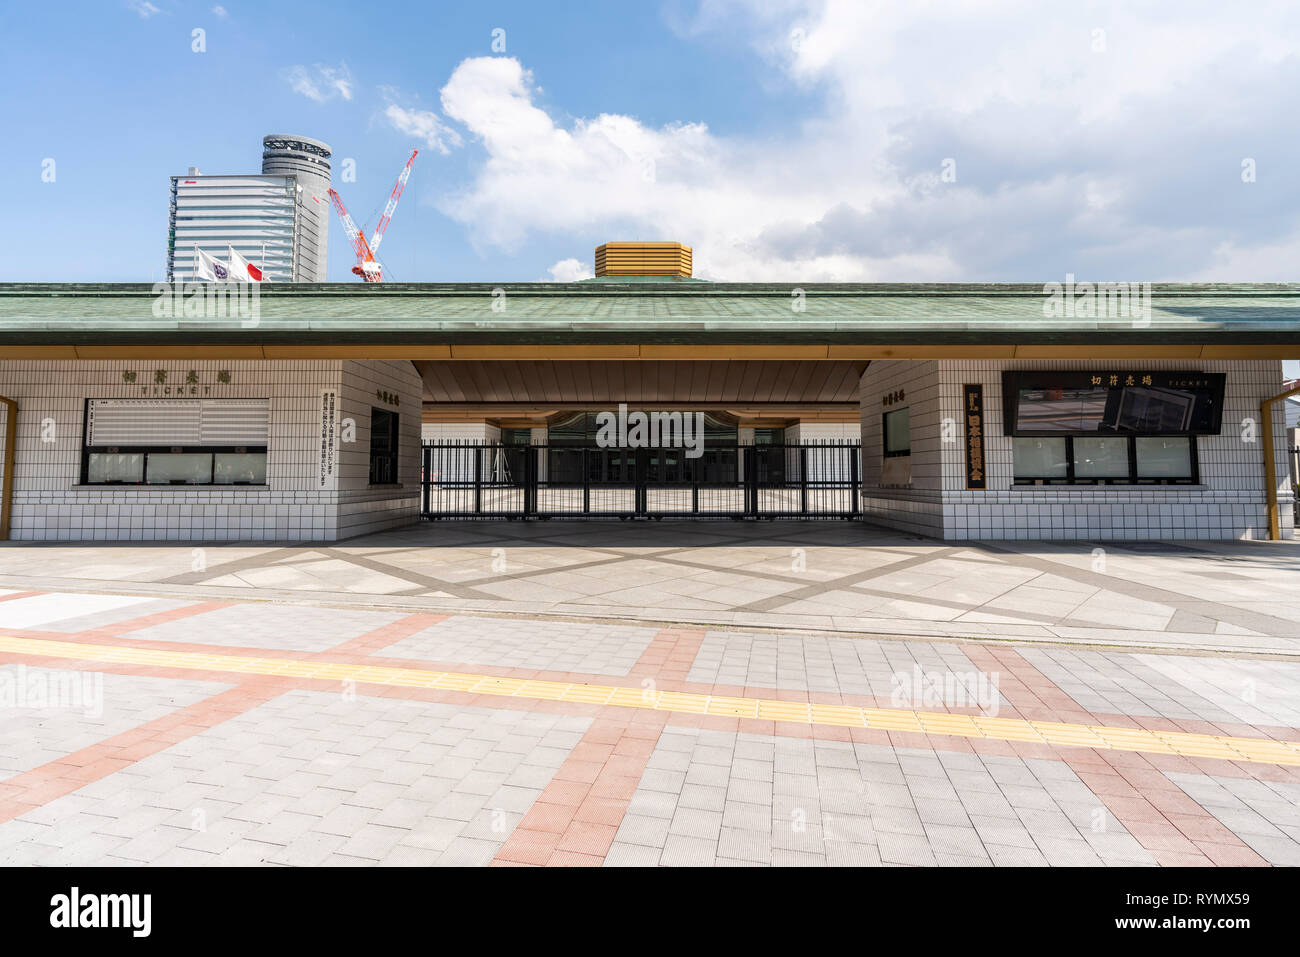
{"points": [[492, 480]]}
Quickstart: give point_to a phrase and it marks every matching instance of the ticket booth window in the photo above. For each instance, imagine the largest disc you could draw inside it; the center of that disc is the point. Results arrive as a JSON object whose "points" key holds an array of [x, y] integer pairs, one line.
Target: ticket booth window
{"points": [[175, 441], [383, 447], [898, 432]]}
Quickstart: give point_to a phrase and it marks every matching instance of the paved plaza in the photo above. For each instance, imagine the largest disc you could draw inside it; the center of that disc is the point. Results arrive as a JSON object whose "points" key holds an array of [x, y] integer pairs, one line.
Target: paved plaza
{"points": [[832, 577], [549, 694]]}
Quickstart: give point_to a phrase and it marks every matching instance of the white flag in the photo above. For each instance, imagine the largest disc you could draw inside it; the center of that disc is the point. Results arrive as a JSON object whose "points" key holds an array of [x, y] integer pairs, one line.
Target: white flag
{"points": [[241, 270], [206, 267]]}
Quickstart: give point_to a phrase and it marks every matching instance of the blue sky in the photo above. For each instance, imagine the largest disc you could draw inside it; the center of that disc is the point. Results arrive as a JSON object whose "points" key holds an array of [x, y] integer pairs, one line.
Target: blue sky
{"points": [[120, 102], [786, 139]]}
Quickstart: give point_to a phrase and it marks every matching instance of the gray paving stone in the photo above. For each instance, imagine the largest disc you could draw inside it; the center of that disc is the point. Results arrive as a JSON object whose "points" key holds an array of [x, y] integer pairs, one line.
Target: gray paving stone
{"points": [[643, 830], [746, 769], [152, 844], [360, 815], [373, 842], [851, 854], [851, 828], [746, 844], [1048, 823], [932, 811], [881, 772], [683, 851], [703, 797], [632, 855], [889, 795], [310, 850], [659, 780], [469, 852], [652, 803], [1278, 851], [1003, 832], [905, 849], [663, 760], [587, 648], [434, 833], [750, 792], [897, 820], [948, 839], [781, 857], [1004, 855], [313, 778], [751, 816], [693, 822], [1118, 849], [713, 775], [405, 855], [1067, 852], [345, 820]]}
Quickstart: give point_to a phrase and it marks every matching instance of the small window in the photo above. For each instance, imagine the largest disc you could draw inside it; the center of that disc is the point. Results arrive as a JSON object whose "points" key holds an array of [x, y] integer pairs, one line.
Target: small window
{"points": [[1101, 458], [1108, 460], [1164, 457], [1036, 458], [179, 468], [109, 467], [898, 432], [239, 468], [175, 441], [383, 447]]}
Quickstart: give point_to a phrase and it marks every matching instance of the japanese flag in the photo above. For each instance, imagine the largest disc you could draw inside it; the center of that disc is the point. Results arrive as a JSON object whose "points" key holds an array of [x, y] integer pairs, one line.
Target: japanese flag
{"points": [[241, 270]]}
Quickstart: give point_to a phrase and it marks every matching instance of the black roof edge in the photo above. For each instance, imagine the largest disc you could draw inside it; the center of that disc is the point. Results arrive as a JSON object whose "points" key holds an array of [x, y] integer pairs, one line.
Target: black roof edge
{"points": [[666, 288], [1075, 337]]}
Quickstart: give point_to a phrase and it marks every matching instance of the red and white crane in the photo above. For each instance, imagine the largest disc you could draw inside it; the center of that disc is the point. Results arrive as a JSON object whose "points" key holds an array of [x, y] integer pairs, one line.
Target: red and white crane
{"points": [[367, 267]]}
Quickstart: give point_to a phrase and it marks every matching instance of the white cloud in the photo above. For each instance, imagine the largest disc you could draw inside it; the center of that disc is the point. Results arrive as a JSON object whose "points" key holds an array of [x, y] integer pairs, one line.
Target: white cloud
{"points": [[424, 125], [144, 8], [321, 83], [625, 180], [1253, 262], [221, 12], [570, 270], [1122, 162]]}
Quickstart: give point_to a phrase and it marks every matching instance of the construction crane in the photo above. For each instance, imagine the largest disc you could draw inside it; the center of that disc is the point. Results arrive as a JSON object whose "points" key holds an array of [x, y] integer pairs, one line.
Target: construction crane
{"points": [[368, 267]]}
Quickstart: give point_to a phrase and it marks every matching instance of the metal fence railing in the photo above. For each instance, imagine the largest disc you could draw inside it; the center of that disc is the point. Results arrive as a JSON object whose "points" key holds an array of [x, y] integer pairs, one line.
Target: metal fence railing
{"points": [[1294, 461], [497, 480]]}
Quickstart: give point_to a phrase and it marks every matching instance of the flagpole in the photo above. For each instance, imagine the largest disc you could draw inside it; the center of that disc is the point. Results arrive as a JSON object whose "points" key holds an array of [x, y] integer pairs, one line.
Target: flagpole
{"points": [[194, 277]]}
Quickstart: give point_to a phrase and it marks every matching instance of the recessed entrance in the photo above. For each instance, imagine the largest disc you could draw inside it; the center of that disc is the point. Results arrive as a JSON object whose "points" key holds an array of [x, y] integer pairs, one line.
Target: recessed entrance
{"points": [[588, 480]]}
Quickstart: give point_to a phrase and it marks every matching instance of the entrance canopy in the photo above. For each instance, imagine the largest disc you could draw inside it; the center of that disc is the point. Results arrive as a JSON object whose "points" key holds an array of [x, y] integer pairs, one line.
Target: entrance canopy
{"points": [[744, 389]]}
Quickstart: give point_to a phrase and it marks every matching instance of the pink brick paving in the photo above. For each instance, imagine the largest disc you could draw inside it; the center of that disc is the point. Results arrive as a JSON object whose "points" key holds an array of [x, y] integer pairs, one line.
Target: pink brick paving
{"points": [[574, 820], [32, 789], [39, 786]]}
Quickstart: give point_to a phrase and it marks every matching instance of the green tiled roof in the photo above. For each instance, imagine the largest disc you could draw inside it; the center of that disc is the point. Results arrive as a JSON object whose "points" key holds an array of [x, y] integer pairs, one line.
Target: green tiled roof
{"points": [[656, 311]]}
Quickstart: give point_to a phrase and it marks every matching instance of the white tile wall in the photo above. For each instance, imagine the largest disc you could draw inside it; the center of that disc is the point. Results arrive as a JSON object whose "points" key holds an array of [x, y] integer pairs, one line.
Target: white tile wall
{"points": [[821, 466], [823, 431], [50, 505], [362, 509], [459, 432], [1229, 504]]}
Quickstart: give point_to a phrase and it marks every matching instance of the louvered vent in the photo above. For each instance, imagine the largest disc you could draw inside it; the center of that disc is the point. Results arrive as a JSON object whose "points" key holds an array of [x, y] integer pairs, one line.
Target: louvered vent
{"points": [[643, 259], [188, 422]]}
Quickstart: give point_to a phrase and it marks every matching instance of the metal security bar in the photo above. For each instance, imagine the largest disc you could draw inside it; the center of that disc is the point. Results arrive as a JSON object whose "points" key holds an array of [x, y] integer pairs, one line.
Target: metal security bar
{"points": [[467, 480], [1295, 483]]}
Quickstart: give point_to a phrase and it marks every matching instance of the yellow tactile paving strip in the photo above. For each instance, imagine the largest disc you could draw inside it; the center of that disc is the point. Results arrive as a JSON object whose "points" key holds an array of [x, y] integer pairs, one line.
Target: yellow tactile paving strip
{"points": [[1257, 750]]}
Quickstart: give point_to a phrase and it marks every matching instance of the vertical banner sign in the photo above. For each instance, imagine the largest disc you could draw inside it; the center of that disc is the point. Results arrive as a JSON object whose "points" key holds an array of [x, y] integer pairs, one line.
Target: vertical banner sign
{"points": [[329, 438], [973, 413]]}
